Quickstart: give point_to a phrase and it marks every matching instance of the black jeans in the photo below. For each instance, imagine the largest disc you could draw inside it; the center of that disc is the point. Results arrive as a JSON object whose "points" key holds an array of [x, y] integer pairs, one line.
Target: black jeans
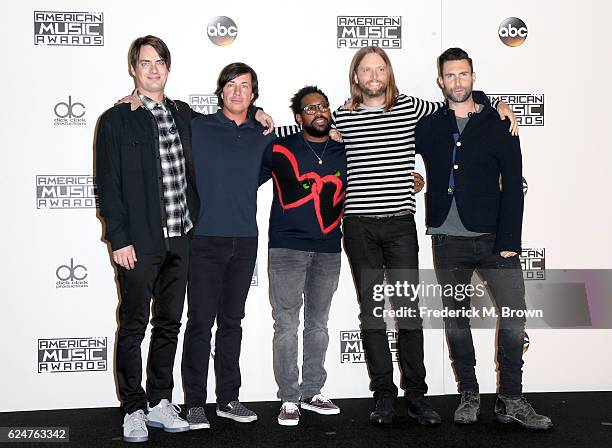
{"points": [[377, 247], [220, 273], [455, 260], [162, 276]]}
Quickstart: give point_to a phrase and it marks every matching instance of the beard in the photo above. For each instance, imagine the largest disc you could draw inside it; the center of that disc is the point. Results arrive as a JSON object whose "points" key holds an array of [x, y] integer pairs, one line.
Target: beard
{"points": [[318, 131], [371, 93], [467, 93]]}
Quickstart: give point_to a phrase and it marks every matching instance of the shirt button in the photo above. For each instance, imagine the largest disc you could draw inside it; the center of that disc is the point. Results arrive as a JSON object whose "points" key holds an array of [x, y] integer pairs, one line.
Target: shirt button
{"points": [[456, 167], [450, 190], [458, 144]]}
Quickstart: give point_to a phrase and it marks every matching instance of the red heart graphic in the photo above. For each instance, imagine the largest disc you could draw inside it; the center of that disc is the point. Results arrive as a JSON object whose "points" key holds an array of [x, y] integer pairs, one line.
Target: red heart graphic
{"points": [[317, 186]]}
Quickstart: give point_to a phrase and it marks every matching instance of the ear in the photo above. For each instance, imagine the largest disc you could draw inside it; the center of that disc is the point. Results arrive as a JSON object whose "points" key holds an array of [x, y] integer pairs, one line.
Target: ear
{"points": [[298, 119], [355, 78], [439, 82], [132, 71], [473, 77]]}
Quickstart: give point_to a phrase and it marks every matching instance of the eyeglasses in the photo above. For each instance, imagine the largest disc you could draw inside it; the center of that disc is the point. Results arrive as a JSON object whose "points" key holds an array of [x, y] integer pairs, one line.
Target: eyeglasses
{"points": [[312, 109]]}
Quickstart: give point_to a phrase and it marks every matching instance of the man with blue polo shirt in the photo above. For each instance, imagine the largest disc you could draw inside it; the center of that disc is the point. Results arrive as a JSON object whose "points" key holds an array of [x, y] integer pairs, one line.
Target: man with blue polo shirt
{"points": [[228, 150]]}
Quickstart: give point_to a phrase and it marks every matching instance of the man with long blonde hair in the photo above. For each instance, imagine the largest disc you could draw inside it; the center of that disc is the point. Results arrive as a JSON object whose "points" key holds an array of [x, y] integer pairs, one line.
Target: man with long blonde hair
{"points": [[380, 236]]}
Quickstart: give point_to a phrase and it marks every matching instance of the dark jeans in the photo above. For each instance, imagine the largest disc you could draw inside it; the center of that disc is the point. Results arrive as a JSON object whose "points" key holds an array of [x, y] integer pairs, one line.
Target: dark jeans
{"points": [[455, 260], [296, 278], [162, 276], [377, 247], [220, 273]]}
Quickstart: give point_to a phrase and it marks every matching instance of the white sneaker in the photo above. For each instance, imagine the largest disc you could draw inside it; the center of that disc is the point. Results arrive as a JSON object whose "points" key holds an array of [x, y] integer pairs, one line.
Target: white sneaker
{"points": [[134, 427], [166, 416]]}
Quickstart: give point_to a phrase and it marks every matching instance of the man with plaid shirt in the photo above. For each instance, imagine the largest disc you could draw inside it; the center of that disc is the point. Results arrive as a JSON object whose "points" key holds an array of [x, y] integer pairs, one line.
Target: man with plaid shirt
{"points": [[149, 204]]}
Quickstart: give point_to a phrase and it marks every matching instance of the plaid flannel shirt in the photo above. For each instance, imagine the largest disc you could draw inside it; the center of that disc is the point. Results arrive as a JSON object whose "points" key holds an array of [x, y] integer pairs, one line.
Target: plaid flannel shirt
{"points": [[174, 180]]}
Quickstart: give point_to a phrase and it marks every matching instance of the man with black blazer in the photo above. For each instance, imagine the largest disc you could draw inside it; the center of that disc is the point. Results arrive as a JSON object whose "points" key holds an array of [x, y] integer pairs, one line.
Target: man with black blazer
{"points": [[474, 214], [149, 204]]}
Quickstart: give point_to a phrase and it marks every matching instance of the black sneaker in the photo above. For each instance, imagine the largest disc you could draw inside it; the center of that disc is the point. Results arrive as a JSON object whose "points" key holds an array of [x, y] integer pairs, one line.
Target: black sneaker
{"points": [[320, 404], [469, 409], [236, 411], [421, 410], [289, 414], [383, 413], [196, 417], [518, 410]]}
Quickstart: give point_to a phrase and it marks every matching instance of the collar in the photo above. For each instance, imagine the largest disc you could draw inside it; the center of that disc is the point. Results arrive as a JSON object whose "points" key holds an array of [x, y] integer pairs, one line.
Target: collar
{"points": [[138, 100], [219, 115], [446, 110]]}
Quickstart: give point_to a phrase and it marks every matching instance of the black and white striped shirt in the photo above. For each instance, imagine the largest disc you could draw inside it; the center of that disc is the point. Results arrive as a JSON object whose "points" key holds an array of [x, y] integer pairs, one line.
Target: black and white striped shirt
{"points": [[380, 155]]}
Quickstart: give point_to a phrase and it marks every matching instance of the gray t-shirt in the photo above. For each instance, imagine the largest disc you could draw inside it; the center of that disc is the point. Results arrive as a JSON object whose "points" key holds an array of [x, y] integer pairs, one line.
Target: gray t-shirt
{"points": [[452, 225]]}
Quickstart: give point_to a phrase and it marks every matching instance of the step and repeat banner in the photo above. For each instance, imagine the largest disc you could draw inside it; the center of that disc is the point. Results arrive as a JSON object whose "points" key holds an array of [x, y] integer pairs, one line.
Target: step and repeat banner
{"points": [[66, 63]]}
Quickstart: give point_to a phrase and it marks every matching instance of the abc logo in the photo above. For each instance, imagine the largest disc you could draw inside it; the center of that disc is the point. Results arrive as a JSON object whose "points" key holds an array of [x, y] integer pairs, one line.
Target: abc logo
{"points": [[513, 32], [69, 109], [222, 31]]}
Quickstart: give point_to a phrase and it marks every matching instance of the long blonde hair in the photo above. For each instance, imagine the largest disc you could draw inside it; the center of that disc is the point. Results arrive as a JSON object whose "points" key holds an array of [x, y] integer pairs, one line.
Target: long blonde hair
{"points": [[356, 92]]}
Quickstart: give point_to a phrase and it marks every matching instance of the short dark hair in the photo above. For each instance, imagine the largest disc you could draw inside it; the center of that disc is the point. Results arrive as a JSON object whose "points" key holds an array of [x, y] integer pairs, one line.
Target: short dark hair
{"points": [[296, 100], [155, 42], [453, 54], [231, 72]]}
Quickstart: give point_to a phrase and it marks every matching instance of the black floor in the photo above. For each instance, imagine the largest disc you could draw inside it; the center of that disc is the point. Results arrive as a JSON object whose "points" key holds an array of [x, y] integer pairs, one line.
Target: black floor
{"points": [[581, 420]]}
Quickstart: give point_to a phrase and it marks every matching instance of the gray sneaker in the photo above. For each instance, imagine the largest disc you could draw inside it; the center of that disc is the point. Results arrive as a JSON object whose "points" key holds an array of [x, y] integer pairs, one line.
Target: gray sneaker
{"points": [[135, 427], [166, 416], [196, 417], [518, 410], [236, 411], [289, 414], [469, 409]]}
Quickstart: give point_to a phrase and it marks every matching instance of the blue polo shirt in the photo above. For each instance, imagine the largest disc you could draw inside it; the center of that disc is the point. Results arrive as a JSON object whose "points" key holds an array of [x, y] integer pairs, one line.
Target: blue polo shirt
{"points": [[227, 159]]}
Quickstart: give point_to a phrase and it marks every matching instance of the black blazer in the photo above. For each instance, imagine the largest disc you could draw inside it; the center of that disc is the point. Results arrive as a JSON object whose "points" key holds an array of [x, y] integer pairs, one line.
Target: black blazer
{"points": [[128, 175], [485, 202]]}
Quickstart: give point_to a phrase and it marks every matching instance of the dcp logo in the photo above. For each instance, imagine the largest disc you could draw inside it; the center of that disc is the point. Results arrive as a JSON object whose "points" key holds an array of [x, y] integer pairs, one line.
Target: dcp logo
{"points": [[69, 109], [525, 187], [222, 31], [513, 31], [71, 273]]}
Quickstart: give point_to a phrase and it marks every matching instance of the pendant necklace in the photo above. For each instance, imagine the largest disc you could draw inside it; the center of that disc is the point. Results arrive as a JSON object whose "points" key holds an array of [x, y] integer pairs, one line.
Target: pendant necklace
{"points": [[319, 158]]}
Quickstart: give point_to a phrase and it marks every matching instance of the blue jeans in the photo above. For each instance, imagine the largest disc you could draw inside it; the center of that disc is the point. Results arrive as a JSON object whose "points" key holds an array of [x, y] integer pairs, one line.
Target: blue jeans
{"points": [[455, 260], [296, 278]]}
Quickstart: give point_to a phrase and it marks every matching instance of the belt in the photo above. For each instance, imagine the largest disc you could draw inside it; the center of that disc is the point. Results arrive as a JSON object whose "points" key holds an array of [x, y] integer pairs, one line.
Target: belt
{"points": [[391, 215]]}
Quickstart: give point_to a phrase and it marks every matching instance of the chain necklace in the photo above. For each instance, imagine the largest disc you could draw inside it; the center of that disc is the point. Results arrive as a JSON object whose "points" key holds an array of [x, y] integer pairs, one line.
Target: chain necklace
{"points": [[319, 158]]}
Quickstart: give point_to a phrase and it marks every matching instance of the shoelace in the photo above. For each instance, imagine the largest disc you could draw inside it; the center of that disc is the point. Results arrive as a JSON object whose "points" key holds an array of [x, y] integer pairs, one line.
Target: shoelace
{"points": [[321, 397], [138, 421], [289, 406], [172, 410]]}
